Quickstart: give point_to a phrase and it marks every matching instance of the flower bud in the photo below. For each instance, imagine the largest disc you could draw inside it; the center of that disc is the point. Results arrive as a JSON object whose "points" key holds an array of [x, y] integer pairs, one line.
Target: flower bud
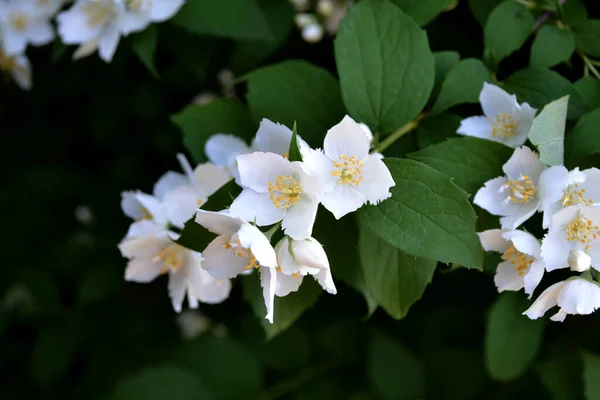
{"points": [[300, 5], [312, 33], [325, 8], [579, 260], [304, 19]]}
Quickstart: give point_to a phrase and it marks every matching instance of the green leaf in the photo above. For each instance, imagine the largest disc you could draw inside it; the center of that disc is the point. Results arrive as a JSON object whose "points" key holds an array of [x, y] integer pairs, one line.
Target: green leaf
{"points": [[237, 19], [163, 382], [437, 128], [574, 13], [560, 372], [287, 309], [551, 46], [386, 68], [539, 87], [589, 89], [547, 132], [294, 152], [396, 279], [214, 358], [512, 340], [223, 197], [583, 139], [427, 216], [452, 383], [54, 351], [296, 91], [423, 11], [444, 61], [469, 161], [198, 123], [481, 9], [144, 46], [591, 375], [507, 28], [395, 373], [462, 84], [587, 37]]}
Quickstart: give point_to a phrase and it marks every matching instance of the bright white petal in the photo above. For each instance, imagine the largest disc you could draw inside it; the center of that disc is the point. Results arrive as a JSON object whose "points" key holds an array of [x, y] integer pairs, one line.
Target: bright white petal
{"points": [[163, 10], [40, 33], [524, 212], [285, 261], [377, 180], [533, 277], [144, 228], [253, 206], [315, 162], [492, 240], [311, 185], [555, 250], [170, 180], [507, 277], [14, 43], [591, 185], [563, 218], [553, 181], [209, 178], [108, 42], [268, 281], [491, 197], [221, 148], [559, 316], [181, 203], [153, 206], [21, 73], [545, 301], [524, 162], [579, 296], [73, 26], [346, 138], [479, 127], [208, 289], [325, 279], [273, 137], [299, 219], [142, 270], [524, 242], [221, 262], [133, 22], [524, 115], [310, 253], [496, 101], [287, 284], [342, 200], [252, 238], [86, 48], [258, 169], [218, 222]]}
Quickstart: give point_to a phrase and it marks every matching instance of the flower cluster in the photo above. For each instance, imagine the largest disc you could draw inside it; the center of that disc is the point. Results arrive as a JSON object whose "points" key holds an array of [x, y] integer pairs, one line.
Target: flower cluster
{"points": [[325, 18], [569, 201], [276, 193], [92, 24]]}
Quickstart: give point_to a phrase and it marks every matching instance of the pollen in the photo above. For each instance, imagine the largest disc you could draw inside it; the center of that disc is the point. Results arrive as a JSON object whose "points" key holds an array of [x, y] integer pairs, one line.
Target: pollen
{"points": [[520, 261], [285, 192], [521, 191], [172, 256], [348, 170], [19, 21], [252, 263], [145, 214], [98, 11], [582, 230], [503, 126], [573, 196]]}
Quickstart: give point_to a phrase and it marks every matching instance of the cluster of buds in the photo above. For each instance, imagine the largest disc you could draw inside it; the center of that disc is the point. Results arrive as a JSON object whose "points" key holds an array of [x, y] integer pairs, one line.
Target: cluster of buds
{"points": [[314, 20]]}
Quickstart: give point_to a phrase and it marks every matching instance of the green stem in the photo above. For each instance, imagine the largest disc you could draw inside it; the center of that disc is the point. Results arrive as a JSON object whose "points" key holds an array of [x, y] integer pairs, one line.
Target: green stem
{"points": [[388, 141], [294, 382], [589, 64]]}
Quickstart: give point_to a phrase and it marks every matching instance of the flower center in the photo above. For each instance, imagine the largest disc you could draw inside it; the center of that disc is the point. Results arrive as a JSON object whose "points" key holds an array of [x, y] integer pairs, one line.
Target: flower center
{"points": [[503, 126], [98, 11], [145, 214], [348, 170], [172, 256], [583, 231], [239, 251], [138, 5], [285, 192], [575, 196], [521, 190], [19, 21], [520, 261]]}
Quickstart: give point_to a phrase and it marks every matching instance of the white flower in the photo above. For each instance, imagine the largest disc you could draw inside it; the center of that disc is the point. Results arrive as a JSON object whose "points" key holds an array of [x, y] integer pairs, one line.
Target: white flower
{"points": [[18, 67], [48, 8], [505, 121], [572, 228], [276, 189], [152, 251], [297, 258], [579, 260], [238, 248], [140, 206], [522, 265], [516, 196], [352, 177], [369, 135], [99, 24], [276, 138], [23, 22], [573, 296], [222, 149], [182, 200], [193, 324], [312, 33], [560, 188]]}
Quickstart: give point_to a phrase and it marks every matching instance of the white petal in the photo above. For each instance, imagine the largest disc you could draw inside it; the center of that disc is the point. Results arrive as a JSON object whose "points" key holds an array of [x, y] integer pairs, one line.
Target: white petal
{"points": [[492, 240], [208, 289], [377, 180], [221, 262], [507, 277], [311, 185], [533, 277], [285, 261], [258, 169], [153, 206], [268, 281], [563, 218], [524, 212], [181, 203], [315, 162], [170, 180], [163, 10], [524, 242], [545, 301], [218, 222], [299, 219], [21, 73], [553, 181], [14, 43], [222, 148], [252, 238], [273, 137], [479, 127], [524, 115], [579, 296], [325, 279], [287, 284], [108, 42], [524, 162], [178, 286], [133, 22], [559, 316], [40, 33], [310, 253], [549, 213], [591, 185], [491, 197], [346, 138], [73, 26], [86, 48], [555, 250], [144, 228], [142, 270], [496, 101], [209, 178], [342, 200], [256, 207]]}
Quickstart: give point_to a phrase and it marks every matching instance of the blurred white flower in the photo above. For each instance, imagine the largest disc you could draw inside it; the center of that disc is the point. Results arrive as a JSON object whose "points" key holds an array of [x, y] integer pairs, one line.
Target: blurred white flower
{"points": [[273, 137], [18, 67], [312, 33], [193, 323], [23, 22], [84, 214]]}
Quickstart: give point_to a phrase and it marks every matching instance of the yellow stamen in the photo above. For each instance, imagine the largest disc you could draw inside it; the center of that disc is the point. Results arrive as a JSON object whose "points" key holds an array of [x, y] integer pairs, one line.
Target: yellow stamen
{"points": [[348, 170], [98, 11], [503, 126], [172, 256], [285, 192], [520, 261], [145, 214], [19, 21], [573, 196], [521, 190], [583, 231]]}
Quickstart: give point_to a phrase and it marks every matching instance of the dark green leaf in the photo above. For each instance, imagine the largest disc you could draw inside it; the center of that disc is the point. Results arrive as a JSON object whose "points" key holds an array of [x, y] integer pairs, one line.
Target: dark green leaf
{"points": [[481, 9], [294, 152], [548, 132], [587, 36], [396, 279], [462, 84], [444, 61], [54, 351], [584, 139], [469, 161], [551, 46], [144, 46], [437, 128], [427, 216], [386, 68], [451, 383], [512, 340], [394, 372], [560, 371], [198, 123], [574, 13], [591, 375], [237, 19], [589, 89], [507, 28], [296, 91], [423, 11]]}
